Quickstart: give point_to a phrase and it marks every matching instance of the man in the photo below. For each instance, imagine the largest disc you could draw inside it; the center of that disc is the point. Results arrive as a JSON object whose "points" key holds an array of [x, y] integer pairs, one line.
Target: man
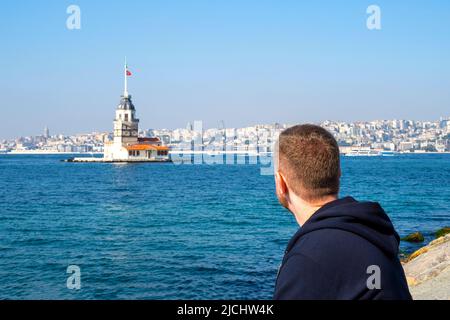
{"points": [[345, 249]]}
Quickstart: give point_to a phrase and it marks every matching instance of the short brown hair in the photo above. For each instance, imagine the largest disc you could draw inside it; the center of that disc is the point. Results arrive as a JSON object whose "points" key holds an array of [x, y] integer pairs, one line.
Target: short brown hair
{"points": [[309, 161]]}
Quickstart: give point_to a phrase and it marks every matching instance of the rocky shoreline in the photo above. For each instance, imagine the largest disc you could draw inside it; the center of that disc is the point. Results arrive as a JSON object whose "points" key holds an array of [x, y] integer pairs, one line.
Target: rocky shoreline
{"points": [[428, 270]]}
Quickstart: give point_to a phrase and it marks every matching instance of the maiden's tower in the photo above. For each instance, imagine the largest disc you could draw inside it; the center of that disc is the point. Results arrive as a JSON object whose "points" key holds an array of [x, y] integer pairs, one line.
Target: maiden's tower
{"points": [[126, 146]]}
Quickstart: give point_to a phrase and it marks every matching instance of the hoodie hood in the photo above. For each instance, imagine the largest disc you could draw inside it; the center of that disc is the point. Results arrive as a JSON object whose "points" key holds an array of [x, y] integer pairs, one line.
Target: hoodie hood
{"points": [[365, 219]]}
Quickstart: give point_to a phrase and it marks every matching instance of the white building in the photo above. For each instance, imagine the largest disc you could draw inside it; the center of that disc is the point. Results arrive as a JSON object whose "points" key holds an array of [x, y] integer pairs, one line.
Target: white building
{"points": [[126, 145]]}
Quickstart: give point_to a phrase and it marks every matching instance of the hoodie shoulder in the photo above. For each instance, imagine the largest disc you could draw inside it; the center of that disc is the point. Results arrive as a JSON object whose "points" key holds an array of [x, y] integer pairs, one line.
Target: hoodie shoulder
{"points": [[301, 277], [335, 264], [366, 220], [331, 246], [342, 242]]}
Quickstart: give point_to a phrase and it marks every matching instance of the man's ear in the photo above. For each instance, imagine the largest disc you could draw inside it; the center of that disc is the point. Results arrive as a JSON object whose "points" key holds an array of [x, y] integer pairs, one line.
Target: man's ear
{"points": [[280, 183]]}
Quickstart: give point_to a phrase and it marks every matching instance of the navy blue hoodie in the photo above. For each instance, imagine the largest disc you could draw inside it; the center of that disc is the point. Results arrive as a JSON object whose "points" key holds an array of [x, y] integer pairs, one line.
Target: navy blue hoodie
{"points": [[330, 256]]}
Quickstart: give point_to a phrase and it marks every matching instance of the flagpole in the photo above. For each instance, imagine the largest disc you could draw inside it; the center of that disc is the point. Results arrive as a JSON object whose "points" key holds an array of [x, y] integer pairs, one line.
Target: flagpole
{"points": [[125, 93]]}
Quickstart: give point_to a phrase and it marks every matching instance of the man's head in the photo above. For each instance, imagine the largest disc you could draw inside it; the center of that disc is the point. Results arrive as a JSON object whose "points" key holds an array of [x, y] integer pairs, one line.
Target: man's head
{"points": [[308, 166]]}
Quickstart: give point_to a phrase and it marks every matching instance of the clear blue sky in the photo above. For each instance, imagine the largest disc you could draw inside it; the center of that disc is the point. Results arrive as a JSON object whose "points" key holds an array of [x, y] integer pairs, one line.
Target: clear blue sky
{"points": [[244, 62]]}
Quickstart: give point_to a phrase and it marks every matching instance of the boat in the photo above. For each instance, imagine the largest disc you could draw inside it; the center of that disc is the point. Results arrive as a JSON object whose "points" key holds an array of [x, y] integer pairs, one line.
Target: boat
{"points": [[388, 153], [363, 152]]}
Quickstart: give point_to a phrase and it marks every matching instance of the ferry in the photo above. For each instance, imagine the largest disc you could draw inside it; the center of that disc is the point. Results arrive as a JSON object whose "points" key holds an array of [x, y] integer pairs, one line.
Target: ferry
{"points": [[388, 153], [363, 152]]}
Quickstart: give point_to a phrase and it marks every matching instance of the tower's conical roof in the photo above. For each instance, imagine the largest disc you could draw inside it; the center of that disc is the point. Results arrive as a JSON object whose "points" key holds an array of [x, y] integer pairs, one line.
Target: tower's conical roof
{"points": [[126, 103]]}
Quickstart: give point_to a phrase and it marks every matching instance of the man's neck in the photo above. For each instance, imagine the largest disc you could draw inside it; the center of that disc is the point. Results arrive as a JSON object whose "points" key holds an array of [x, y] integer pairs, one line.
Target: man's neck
{"points": [[304, 210]]}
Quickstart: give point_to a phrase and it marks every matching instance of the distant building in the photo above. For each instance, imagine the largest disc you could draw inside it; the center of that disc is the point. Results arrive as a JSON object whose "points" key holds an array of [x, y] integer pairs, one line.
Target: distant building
{"points": [[405, 146], [46, 133], [126, 145]]}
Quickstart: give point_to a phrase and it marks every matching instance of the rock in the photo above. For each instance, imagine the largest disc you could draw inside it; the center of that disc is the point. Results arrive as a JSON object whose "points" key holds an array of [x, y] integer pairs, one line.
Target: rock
{"points": [[411, 281], [442, 232], [417, 253], [434, 289], [428, 270], [437, 241], [414, 237]]}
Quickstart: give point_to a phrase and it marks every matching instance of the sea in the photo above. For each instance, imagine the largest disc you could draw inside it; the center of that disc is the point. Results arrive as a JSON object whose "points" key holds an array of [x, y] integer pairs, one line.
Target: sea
{"points": [[179, 231]]}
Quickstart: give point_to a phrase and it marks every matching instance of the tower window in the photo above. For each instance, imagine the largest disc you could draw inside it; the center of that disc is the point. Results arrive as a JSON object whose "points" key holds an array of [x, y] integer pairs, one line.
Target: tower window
{"points": [[126, 117]]}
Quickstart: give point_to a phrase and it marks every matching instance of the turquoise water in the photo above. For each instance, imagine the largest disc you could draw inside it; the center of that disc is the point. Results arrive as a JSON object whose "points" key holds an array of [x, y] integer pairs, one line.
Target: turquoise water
{"points": [[165, 231]]}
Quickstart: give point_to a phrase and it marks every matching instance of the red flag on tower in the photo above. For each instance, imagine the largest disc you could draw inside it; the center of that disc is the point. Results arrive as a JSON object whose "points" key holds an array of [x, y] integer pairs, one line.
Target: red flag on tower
{"points": [[128, 73]]}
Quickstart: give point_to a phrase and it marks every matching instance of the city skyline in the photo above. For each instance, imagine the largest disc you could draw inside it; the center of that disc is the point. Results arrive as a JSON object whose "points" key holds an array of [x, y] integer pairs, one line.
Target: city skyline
{"points": [[243, 63], [378, 135], [220, 125]]}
